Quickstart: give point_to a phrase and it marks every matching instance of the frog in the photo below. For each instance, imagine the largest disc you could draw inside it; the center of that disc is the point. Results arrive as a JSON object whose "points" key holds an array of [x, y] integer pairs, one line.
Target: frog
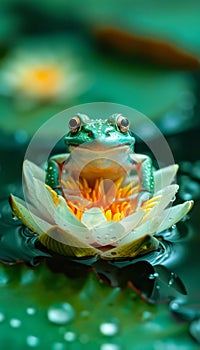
{"points": [[101, 148]]}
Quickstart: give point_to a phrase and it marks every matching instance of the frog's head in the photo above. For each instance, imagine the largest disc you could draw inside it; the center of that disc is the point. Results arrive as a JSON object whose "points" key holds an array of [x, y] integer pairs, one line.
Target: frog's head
{"points": [[99, 134]]}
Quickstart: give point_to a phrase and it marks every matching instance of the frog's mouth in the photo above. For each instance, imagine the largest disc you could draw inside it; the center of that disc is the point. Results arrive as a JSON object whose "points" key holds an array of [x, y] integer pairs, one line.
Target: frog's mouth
{"points": [[96, 146]]}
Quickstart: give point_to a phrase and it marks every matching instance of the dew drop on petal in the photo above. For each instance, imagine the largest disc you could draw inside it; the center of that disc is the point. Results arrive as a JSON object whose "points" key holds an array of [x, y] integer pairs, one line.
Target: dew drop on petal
{"points": [[32, 341], [2, 317], [61, 313], [15, 323], [70, 336], [109, 328]]}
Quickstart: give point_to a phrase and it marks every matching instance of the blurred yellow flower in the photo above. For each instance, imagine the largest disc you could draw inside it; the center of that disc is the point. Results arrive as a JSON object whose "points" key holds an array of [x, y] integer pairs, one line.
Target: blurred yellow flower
{"points": [[42, 75]]}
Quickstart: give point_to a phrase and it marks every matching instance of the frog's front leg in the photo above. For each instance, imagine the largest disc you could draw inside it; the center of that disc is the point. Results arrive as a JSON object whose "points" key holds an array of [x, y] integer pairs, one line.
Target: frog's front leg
{"points": [[53, 170], [144, 170]]}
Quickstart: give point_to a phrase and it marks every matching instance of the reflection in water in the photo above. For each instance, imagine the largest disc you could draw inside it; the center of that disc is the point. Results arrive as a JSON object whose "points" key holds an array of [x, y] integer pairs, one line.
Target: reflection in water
{"points": [[147, 274]]}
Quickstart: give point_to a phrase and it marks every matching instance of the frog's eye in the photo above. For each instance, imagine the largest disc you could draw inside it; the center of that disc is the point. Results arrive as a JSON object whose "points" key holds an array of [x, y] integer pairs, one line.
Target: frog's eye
{"points": [[122, 124], [74, 124]]}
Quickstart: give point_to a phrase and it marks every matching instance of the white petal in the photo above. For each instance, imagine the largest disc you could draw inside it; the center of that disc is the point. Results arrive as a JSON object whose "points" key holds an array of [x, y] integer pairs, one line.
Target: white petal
{"points": [[93, 217], [36, 192], [43, 201], [131, 221], [67, 221], [62, 242], [108, 233], [148, 228], [32, 170], [63, 211], [164, 177], [35, 223], [173, 215], [167, 194]]}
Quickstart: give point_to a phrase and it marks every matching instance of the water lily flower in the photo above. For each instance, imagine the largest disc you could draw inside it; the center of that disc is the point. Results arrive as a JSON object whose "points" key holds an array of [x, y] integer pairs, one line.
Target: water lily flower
{"points": [[98, 232], [41, 75]]}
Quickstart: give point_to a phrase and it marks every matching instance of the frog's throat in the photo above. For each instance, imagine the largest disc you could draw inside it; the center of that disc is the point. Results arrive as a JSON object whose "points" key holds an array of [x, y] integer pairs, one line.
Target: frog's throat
{"points": [[110, 163]]}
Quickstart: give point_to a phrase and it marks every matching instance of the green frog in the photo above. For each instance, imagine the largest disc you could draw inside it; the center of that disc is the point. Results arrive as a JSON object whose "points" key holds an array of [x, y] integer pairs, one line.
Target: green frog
{"points": [[98, 148]]}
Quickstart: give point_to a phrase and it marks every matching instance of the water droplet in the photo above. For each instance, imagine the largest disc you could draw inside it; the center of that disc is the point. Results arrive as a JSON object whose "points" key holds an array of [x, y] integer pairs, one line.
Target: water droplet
{"points": [[32, 341], [30, 311], [173, 199], [109, 346], [70, 336], [15, 218], [109, 328], [171, 280], [2, 317], [61, 313], [147, 315], [58, 346], [15, 323], [152, 276], [174, 306]]}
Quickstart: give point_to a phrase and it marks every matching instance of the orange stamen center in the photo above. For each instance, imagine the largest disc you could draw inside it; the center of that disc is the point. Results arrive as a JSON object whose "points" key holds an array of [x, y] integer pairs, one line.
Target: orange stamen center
{"points": [[121, 205]]}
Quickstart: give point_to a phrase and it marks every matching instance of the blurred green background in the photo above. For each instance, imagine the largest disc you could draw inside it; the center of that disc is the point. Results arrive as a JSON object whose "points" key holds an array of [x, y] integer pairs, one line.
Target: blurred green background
{"points": [[58, 54]]}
